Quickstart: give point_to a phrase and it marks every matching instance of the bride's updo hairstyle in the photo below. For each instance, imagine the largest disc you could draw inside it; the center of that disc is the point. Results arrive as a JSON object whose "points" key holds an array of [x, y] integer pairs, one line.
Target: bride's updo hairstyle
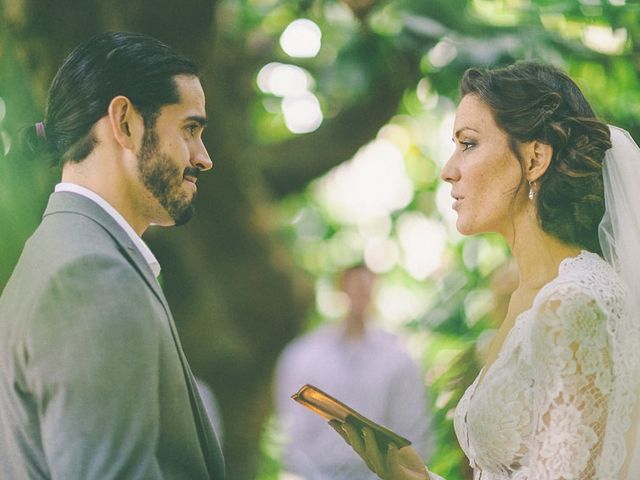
{"points": [[531, 101]]}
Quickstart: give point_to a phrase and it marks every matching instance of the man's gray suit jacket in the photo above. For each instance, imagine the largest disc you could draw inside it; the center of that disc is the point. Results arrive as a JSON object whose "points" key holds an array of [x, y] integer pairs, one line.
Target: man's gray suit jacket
{"points": [[93, 381]]}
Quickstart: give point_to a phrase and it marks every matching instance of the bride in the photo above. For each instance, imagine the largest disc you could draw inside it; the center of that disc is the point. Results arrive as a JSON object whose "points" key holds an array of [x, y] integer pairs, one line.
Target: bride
{"points": [[557, 397]]}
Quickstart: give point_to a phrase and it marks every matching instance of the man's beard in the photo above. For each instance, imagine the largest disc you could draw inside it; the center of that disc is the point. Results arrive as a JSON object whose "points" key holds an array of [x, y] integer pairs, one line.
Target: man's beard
{"points": [[164, 179]]}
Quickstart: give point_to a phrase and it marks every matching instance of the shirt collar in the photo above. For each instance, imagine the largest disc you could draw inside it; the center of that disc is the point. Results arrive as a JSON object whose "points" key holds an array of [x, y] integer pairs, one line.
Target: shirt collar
{"points": [[154, 265]]}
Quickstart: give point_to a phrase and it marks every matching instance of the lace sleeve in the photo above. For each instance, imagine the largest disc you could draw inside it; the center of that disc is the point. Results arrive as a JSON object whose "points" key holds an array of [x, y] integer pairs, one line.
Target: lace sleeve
{"points": [[573, 368]]}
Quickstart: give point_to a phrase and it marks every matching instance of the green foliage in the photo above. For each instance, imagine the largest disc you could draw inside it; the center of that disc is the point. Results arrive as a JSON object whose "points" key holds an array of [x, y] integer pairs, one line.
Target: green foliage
{"points": [[270, 451], [24, 181]]}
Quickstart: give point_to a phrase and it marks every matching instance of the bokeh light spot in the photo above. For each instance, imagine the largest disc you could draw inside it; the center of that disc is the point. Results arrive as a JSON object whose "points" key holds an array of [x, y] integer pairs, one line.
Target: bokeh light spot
{"points": [[302, 38]]}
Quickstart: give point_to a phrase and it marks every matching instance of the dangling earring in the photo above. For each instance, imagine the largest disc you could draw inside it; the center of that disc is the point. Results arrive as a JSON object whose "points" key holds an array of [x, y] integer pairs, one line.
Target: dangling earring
{"points": [[532, 192]]}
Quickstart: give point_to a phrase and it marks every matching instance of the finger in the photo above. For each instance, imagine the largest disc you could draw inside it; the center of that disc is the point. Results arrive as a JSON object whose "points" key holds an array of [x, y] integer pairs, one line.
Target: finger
{"points": [[337, 426], [373, 452], [392, 453], [408, 463], [354, 438], [393, 459]]}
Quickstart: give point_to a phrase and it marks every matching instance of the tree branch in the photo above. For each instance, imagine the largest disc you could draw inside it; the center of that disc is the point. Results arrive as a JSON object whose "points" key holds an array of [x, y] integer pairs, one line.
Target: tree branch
{"points": [[289, 166]]}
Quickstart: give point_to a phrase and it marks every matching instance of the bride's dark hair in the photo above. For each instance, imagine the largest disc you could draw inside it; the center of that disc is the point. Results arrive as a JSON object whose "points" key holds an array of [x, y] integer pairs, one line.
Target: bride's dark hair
{"points": [[533, 101]]}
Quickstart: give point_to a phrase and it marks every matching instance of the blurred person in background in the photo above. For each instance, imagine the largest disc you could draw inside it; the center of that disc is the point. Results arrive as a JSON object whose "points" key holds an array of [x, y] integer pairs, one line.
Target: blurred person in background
{"points": [[558, 395], [94, 383], [362, 366]]}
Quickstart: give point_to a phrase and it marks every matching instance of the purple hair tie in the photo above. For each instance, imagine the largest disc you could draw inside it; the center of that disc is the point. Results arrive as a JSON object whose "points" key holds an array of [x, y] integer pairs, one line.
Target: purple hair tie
{"points": [[40, 130]]}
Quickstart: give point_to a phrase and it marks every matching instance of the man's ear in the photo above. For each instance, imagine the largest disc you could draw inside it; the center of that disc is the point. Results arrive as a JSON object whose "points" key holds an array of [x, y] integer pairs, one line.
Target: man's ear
{"points": [[125, 121], [537, 159]]}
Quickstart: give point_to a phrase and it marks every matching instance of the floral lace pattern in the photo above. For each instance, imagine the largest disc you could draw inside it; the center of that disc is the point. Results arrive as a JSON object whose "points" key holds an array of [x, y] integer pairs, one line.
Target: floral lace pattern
{"points": [[556, 402]]}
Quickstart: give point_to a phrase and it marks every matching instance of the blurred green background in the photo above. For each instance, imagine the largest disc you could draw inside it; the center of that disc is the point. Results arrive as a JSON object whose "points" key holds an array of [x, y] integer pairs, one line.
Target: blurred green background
{"points": [[327, 136]]}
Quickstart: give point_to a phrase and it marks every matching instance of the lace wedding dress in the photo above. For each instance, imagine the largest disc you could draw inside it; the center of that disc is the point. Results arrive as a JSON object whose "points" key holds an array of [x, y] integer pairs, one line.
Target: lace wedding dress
{"points": [[558, 401]]}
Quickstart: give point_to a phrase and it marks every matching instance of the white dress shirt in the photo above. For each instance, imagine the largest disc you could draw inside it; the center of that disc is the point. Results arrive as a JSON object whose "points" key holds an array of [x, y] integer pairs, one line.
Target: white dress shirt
{"points": [[154, 265]]}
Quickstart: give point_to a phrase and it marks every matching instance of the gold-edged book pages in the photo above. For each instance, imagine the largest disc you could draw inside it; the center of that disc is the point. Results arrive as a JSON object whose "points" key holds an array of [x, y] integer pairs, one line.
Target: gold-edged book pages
{"points": [[331, 409]]}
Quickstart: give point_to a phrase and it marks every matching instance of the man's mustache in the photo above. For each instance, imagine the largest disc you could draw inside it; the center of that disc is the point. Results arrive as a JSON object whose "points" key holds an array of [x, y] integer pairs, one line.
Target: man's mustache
{"points": [[191, 172]]}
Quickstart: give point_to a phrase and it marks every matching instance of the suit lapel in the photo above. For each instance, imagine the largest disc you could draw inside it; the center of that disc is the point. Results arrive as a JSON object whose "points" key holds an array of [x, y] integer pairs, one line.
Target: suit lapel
{"points": [[74, 203]]}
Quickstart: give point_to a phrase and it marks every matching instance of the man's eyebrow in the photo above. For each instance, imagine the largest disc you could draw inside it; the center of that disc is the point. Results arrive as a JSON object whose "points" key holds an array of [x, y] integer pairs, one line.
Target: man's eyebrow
{"points": [[200, 120]]}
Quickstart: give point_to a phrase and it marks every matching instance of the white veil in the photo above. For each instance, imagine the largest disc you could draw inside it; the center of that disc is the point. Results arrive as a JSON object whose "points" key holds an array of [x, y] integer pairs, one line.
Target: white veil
{"points": [[619, 234]]}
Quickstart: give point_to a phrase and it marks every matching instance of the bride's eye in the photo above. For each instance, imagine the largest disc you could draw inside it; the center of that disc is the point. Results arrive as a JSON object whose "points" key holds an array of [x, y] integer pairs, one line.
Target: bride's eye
{"points": [[467, 145]]}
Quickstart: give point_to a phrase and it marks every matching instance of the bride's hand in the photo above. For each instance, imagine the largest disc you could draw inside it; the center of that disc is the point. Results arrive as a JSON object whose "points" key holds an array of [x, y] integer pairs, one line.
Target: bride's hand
{"points": [[396, 464]]}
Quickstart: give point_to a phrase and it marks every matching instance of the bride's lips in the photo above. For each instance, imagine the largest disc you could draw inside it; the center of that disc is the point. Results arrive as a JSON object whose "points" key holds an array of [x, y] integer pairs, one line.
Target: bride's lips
{"points": [[456, 201]]}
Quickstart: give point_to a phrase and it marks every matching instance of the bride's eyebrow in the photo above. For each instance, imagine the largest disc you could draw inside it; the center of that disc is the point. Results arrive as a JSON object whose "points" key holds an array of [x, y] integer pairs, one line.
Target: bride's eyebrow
{"points": [[462, 129]]}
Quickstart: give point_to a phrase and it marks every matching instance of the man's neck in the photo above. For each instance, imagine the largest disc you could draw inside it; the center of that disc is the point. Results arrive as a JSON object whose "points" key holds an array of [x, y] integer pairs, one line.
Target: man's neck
{"points": [[106, 184], [354, 328]]}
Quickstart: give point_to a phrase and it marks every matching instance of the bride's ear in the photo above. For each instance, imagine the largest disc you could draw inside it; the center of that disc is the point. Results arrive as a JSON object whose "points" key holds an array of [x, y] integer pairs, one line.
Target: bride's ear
{"points": [[537, 158]]}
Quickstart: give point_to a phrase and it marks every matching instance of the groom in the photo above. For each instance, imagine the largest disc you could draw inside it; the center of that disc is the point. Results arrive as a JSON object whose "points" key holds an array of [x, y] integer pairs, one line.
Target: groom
{"points": [[93, 381]]}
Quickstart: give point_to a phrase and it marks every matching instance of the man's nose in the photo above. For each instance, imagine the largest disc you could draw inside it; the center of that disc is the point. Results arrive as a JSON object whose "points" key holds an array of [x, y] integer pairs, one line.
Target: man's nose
{"points": [[201, 158]]}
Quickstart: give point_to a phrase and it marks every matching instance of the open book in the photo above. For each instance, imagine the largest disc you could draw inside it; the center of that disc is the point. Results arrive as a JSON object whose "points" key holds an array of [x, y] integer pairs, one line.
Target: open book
{"points": [[331, 409]]}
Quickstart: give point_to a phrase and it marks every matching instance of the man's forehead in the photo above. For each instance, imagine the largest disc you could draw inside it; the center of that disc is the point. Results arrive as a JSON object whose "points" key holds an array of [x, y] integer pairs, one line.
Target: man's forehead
{"points": [[191, 100]]}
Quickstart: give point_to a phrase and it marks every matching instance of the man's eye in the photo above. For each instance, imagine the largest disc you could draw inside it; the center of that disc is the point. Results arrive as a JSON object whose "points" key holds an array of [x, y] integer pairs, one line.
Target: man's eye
{"points": [[192, 129]]}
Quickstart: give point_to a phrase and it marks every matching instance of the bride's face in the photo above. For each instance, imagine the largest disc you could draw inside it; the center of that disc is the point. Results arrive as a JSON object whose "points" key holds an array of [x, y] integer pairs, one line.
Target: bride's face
{"points": [[483, 171]]}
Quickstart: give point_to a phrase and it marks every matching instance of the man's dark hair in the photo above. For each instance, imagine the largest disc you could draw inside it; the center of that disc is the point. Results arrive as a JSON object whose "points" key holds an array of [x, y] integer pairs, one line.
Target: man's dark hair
{"points": [[136, 66]]}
